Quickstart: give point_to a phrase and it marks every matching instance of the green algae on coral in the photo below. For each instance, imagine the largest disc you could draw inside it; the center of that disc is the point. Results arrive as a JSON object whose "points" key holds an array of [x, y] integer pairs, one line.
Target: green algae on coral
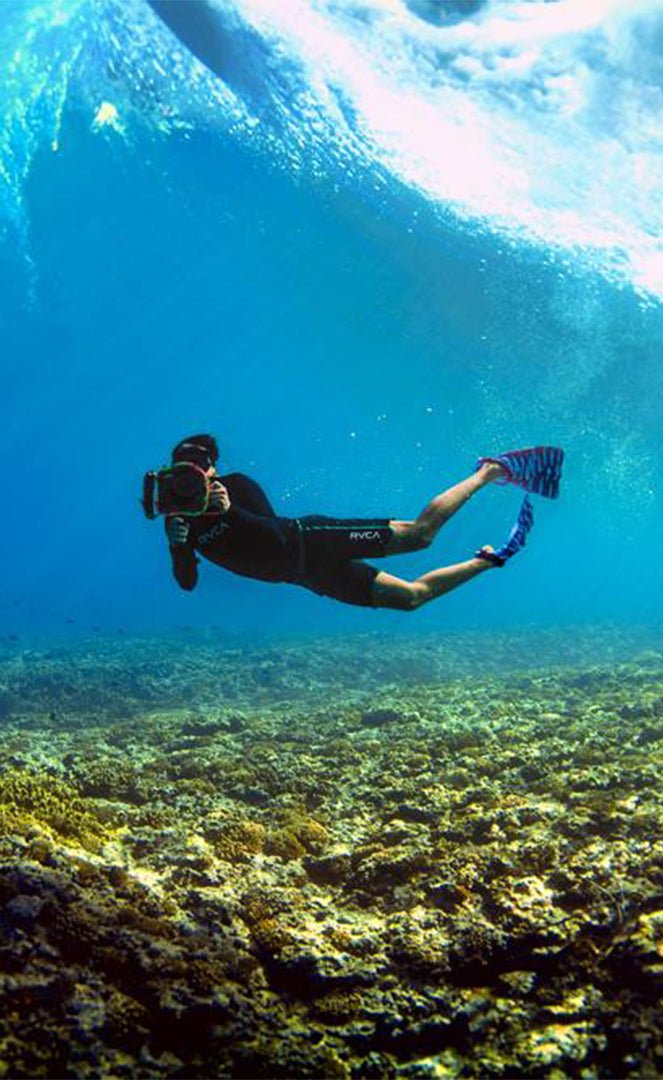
{"points": [[30, 800]]}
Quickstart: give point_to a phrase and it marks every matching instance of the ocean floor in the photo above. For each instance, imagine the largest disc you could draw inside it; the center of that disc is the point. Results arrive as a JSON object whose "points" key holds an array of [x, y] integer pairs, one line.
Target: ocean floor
{"points": [[432, 857]]}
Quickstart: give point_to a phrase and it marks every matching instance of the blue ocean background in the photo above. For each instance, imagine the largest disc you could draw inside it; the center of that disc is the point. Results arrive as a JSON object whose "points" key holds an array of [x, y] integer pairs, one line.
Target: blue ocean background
{"points": [[259, 257]]}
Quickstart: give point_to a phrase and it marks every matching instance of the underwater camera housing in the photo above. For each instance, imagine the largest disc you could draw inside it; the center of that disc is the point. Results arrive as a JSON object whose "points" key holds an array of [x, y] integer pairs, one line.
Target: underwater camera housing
{"points": [[183, 488]]}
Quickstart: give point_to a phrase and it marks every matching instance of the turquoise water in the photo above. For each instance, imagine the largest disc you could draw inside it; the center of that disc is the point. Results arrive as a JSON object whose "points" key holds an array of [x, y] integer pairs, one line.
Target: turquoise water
{"points": [[396, 238]]}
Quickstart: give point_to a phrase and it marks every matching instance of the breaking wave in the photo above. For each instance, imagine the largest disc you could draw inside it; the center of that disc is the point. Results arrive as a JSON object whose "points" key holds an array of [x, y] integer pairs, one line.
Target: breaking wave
{"points": [[539, 120]]}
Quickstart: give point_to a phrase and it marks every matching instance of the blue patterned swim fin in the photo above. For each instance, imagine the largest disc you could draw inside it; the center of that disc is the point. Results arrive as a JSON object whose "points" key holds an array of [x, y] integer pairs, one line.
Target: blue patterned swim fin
{"points": [[537, 469], [517, 537]]}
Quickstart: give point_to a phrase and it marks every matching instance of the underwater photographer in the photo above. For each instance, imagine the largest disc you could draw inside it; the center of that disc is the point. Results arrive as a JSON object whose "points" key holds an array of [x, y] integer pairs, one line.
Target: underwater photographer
{"points": [[230, 521]]}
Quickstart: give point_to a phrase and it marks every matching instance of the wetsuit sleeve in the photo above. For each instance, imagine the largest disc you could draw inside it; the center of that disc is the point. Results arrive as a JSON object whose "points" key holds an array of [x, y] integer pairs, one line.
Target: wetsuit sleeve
{"points": [[185, 566], [247, 494]]}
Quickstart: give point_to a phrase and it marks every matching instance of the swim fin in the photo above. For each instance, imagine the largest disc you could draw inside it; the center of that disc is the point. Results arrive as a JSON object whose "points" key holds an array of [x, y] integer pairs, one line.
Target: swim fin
{"points": [[537, 469], [517, 537]]}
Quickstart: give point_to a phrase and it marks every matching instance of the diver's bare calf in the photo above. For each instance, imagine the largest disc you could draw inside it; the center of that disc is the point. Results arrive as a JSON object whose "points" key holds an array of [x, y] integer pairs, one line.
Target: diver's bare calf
{"points": [[420, 533], [394, 592]]}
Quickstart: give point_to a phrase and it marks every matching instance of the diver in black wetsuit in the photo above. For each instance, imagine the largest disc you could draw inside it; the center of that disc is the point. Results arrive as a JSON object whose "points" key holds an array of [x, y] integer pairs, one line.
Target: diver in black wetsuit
{"points": [[241, 532]]}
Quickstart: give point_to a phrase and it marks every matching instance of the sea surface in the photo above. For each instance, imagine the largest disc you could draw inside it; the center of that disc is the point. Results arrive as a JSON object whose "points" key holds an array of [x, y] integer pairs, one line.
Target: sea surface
{"points": [[380, 239]]}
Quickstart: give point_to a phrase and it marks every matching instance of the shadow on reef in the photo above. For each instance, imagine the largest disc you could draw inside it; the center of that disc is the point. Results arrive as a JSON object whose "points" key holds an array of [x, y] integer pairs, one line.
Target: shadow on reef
{"points": [[457, 877]]}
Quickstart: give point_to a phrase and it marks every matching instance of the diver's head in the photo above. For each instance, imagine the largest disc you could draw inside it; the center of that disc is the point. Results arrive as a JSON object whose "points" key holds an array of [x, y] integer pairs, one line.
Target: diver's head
{"points": [[201, 450], [183, 487]]}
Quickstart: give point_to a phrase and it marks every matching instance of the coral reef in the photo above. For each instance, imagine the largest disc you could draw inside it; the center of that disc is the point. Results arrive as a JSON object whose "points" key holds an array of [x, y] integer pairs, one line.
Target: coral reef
{"points": [[434, 875]]}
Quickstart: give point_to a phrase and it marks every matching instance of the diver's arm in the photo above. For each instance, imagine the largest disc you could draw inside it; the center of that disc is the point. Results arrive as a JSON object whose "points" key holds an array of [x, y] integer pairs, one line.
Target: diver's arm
{"points": [[185, 566], [184, 560], [249, 495]]}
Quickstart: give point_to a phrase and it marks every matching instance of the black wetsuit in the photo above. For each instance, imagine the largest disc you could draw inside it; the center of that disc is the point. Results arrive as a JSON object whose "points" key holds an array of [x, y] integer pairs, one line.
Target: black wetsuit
{"points": [[321, 553]]}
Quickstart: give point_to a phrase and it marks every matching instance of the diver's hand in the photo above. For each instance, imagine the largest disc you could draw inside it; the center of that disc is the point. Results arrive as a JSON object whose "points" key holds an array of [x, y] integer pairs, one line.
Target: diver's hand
{"points": [[177, 531], [219, 499]]}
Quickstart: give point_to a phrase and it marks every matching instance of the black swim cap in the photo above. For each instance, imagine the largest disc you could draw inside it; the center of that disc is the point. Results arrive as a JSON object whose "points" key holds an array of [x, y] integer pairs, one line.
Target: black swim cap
{"points": [[200, 450]]}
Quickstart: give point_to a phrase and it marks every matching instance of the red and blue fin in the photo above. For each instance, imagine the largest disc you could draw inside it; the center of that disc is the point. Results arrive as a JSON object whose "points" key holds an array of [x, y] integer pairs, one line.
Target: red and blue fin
{"points": [[537, 469]]}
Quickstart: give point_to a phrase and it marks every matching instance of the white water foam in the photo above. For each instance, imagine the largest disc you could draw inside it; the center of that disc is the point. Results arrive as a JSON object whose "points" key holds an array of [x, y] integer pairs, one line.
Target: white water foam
{"points": [[539, 118]]}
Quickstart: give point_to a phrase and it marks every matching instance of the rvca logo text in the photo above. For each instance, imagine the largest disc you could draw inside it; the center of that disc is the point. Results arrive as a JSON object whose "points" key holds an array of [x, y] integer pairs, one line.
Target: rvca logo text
{"points": [[369, 535], [211, 534]]}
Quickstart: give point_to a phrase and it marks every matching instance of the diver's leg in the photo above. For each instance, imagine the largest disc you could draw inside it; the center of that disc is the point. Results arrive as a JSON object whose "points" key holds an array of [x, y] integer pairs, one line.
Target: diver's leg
{"points": [[418, 534], [394, 592]]}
